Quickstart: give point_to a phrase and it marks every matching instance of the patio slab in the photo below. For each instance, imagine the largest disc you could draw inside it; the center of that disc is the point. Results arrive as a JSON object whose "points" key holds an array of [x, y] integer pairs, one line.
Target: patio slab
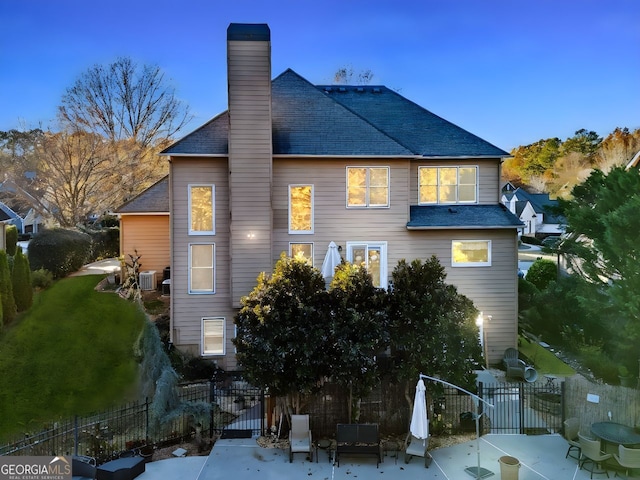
{"points": [[542, 457]]}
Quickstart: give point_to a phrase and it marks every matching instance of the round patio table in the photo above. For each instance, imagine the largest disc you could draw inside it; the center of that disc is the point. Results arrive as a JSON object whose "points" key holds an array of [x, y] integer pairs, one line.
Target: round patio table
{"points": [[616, 434]]}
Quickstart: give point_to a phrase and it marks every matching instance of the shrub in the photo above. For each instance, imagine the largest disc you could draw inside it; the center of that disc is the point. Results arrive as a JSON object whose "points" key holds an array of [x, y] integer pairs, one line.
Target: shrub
{"points": [[105, 243], [41, 279], [530, 240], [21, 278], [6, 290], [12, 240], [60, 251], [542, 273]]}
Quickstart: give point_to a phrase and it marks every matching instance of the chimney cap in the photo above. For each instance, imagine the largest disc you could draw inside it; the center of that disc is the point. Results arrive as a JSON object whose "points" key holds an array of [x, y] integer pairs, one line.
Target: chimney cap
{"points": [[252, 32]]}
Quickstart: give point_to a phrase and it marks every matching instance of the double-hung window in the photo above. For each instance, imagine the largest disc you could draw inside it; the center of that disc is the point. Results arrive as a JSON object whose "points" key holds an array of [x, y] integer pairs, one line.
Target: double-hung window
{"points": [[367, 187], [202, 209], [447, 185], [373, 257], [213, 336], [202, 268], [302, 251], [300, 209], [471, 253]]}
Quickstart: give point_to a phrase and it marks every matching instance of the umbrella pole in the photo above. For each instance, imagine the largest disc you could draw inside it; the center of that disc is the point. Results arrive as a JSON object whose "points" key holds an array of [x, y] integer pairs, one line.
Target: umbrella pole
{"points": [[477, 401]]}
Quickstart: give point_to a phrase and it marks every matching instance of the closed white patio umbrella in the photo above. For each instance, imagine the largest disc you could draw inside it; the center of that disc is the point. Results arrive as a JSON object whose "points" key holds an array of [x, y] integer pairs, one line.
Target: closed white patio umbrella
{"points": [[331, 260], [419, 423]]}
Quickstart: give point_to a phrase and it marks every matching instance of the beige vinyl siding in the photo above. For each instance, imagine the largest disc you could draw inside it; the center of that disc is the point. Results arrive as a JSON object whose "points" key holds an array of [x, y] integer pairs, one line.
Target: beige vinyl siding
{"points": [[249, 73], [488, 177], [493, 289], [187, 310], [149, 236]]}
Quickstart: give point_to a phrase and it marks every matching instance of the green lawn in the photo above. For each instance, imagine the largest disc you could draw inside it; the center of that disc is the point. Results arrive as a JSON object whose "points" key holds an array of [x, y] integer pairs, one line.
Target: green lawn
{"points": [[544, 361], [71, 353]]}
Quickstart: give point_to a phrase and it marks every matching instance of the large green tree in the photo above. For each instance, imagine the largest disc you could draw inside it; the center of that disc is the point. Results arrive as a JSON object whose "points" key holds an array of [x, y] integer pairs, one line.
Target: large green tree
{"points": [[433, 328], [358, 332], [601, 244], [21, 278], [283, 330]]}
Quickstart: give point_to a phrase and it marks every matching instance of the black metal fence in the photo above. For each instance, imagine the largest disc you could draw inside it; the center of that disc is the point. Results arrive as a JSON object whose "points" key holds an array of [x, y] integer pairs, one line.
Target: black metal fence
{"points": [[107, 434], [239, 409]]}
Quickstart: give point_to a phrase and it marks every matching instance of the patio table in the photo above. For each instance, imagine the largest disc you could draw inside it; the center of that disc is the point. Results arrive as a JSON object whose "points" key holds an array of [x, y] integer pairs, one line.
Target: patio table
{"points": [[615, 434]]}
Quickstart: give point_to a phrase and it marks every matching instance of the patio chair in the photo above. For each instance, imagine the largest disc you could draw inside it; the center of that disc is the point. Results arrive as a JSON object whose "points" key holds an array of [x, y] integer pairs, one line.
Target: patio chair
{"points": [[628, 458], [83, 468], [416, 447], [514, 366], [592, 455], [570, 434], [300, 437]]}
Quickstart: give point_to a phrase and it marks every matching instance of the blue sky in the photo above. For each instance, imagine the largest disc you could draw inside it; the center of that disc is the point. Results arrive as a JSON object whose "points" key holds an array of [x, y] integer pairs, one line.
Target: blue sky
{"points": [[511, 71]]}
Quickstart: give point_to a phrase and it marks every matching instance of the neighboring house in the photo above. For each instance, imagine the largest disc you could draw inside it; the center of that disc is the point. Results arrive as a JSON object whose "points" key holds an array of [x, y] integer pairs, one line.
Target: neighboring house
{"points": [[25, 218], [533, 211], [144, 228], [634, 162], [292, 166], [4, 221]]}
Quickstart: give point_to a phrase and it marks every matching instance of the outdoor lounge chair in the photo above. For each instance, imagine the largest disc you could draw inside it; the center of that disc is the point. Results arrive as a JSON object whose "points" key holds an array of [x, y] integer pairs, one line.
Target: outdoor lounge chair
{"points": [[570, 434], [300, 437], [516, 368], [592, 455], [416, 447], [628, 458]]}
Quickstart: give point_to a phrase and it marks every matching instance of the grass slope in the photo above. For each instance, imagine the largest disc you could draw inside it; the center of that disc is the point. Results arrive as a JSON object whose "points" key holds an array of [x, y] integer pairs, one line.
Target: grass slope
{"points": [[544, 361], [71, 353]]}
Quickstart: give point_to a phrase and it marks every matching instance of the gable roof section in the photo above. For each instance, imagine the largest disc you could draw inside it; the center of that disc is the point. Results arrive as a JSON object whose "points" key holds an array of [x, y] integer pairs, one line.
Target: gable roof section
{"points": [[154, 199], [541, 203], [421, 131], [461, 217], [344, 121], [3, 216]]}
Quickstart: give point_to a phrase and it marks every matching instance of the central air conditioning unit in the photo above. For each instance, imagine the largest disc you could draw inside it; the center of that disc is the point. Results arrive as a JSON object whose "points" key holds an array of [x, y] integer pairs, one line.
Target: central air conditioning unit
{"points": [[148, 280]]}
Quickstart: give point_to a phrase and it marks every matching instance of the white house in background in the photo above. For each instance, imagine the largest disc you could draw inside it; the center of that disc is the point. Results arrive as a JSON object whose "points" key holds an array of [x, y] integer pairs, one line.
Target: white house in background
{"points": [[533, 210]]}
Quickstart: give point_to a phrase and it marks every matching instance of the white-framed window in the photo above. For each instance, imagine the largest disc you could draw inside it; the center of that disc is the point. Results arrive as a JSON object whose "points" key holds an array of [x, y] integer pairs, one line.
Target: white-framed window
{"points": [[447, 185], [367, 187], [202, 271], [302, 251], [213, 336], [471, 253], [300, 209], [373, 257], [202, 209]]}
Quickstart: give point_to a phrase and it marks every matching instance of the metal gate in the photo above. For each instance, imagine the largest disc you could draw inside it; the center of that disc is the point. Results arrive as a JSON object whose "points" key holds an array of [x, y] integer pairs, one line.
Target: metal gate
{"points": [[523, 408], [237, 407]]}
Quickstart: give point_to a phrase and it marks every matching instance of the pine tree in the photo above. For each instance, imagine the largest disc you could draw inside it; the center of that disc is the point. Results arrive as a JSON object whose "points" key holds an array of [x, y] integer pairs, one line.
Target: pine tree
{"points": [[21, 278], [6, 290]]}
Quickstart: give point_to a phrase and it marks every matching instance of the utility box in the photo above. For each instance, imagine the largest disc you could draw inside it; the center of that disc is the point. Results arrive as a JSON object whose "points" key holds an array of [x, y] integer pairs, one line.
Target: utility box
{"points": [[148, 280]]}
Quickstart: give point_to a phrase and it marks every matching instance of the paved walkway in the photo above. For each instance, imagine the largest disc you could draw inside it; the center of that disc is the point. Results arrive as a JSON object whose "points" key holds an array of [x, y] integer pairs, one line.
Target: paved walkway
{"points": [[100, 267]]}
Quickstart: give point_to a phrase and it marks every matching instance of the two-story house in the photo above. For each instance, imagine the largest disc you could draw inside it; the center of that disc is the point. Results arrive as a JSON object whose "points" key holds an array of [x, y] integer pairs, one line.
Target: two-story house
{"points": [[292, 166], [533, 210]]}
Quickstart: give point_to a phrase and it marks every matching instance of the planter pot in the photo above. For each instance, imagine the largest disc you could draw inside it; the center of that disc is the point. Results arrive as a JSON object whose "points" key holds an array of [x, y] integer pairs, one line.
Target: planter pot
{"points": [[547, 402]]}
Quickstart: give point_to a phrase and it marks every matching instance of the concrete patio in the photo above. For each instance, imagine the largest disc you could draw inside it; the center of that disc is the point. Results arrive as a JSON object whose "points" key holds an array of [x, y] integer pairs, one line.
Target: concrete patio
{"points": [[541, 457]]}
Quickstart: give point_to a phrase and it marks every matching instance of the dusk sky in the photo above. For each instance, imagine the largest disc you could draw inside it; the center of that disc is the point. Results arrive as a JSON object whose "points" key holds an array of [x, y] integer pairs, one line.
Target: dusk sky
{"points": [[510, 71]]}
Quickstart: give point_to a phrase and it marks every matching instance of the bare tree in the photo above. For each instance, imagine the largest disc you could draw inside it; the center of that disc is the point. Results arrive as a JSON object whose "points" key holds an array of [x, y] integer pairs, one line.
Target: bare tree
{"points": [[74, 169], [135, 108]]}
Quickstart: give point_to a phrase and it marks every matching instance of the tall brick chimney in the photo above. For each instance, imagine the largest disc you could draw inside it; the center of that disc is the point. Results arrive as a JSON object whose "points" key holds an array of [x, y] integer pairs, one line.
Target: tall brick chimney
{"points": [[250, 154]]}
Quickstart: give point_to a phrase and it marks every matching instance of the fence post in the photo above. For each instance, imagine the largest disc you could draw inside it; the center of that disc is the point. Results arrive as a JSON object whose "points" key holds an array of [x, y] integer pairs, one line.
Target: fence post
{"points": [[481, 406], [521, 402], [75, 435], [146, 416]]}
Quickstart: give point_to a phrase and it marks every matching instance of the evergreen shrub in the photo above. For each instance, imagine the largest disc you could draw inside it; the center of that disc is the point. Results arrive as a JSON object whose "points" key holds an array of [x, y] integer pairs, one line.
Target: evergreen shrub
{"points": [[60, 251], [11, 237]]}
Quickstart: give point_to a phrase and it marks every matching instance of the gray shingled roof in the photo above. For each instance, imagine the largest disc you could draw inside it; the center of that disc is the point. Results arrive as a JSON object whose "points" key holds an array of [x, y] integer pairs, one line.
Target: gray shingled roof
{"points": [[541, 203], [344, 120], [461, 217], [154, 199]]}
